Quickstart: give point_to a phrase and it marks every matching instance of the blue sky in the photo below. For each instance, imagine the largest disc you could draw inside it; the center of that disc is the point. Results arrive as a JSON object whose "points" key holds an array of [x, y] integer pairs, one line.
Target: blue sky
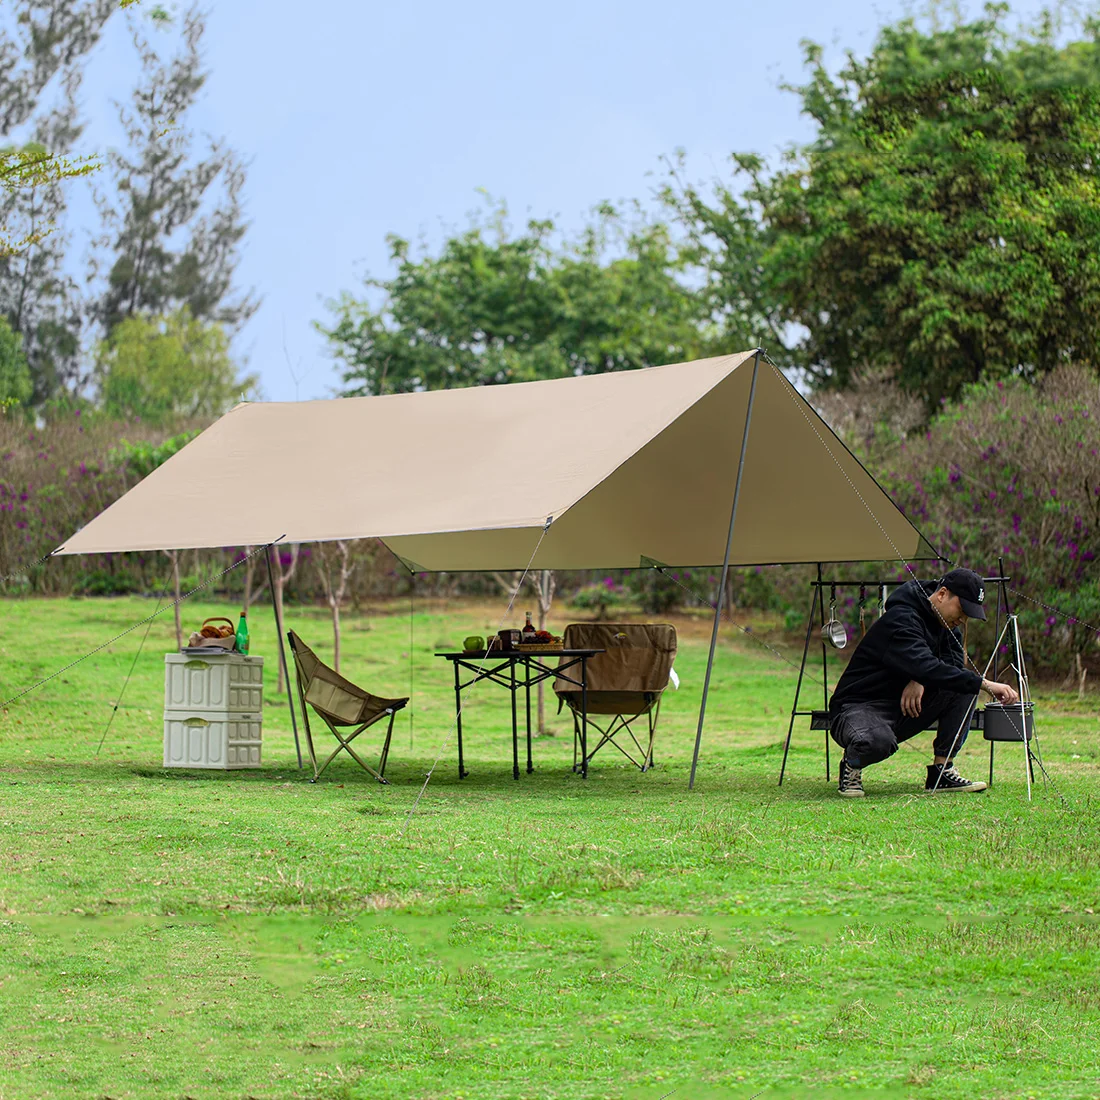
{"points": [[361, 119]]}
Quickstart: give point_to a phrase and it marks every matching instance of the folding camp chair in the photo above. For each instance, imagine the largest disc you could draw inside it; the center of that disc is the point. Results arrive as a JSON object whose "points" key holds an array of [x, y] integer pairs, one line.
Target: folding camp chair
{"points": [[340, 703], [625, 684]]}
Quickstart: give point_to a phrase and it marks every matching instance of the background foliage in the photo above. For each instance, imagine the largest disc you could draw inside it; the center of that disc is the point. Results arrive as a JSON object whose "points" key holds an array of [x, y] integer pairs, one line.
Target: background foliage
{"points": [[495, 308], [943, 223], [927, 264]]}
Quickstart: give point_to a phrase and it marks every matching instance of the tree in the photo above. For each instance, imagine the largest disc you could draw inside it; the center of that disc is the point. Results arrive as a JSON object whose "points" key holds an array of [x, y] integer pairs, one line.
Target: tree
{"points": [[41, 41], [493, 308], [168, 367], [165, 196], [335, 563], [15, 377], [37, 296], [943, 224], [140, 460]]}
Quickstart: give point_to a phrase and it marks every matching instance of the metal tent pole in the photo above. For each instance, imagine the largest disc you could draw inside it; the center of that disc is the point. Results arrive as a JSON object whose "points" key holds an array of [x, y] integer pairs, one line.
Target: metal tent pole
{"points": [[798, 686], [725, 570], [282, 653], [825, 663]]}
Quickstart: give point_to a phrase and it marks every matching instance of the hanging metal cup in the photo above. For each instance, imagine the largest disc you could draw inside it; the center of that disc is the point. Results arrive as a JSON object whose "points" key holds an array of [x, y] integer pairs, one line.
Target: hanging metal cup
{"points": [[834, 631]]}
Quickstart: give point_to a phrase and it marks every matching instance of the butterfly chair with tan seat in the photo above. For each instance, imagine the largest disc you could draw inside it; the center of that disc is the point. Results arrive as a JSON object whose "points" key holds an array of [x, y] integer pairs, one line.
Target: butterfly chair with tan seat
{"points": [[342, 705], [625, 684]]}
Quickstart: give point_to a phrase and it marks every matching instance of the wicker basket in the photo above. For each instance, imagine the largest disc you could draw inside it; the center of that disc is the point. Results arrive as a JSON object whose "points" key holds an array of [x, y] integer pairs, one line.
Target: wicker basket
{"points": [[228, 644]]}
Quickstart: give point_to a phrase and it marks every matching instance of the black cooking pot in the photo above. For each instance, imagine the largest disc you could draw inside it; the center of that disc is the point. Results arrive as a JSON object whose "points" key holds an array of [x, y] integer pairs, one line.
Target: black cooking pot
{"points": [[1009, 723]]}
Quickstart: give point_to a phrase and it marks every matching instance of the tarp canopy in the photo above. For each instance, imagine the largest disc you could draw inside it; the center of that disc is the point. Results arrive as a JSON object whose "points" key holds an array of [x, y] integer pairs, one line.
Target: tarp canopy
{"points": [[629, 467]]}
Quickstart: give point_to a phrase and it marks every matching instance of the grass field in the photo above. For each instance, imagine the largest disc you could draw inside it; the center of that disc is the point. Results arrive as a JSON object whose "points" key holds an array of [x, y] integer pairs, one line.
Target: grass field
{"points": [[204, 934]]}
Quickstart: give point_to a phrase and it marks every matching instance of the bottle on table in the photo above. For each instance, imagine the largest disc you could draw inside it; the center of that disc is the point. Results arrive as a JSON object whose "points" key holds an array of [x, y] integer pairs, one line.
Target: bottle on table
{"points": [[242, 634], [528, 628]]}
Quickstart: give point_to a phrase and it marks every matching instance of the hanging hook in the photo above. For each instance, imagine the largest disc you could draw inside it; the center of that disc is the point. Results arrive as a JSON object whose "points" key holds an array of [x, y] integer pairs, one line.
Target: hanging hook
{"points": [[834, 631]]}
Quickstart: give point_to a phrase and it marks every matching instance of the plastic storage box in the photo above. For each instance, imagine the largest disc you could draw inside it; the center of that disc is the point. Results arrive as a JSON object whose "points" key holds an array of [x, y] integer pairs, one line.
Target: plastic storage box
{"points": [[213, 711]]}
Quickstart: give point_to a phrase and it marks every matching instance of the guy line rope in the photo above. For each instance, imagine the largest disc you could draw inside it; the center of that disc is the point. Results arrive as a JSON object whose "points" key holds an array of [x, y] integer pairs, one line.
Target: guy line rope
{"points": [[131, 629]]}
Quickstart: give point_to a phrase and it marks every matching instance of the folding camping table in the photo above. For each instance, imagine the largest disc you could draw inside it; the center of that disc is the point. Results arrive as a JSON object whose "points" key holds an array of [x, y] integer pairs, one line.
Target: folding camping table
{"points": [[500, 666]]}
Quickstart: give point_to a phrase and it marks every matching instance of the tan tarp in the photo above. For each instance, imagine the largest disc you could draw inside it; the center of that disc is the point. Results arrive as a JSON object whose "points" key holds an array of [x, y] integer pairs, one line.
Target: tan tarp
{"points": [[630, 466]]}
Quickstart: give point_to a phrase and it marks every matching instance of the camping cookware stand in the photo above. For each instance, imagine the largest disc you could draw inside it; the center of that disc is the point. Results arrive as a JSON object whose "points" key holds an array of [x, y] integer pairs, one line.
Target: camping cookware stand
{"points": [[819, 719], [499, 667], [1015, 722]]}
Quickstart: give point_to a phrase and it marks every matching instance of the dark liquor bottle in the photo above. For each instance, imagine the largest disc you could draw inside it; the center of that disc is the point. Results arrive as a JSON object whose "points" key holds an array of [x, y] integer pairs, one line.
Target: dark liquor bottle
{"points": [[528, 629]]}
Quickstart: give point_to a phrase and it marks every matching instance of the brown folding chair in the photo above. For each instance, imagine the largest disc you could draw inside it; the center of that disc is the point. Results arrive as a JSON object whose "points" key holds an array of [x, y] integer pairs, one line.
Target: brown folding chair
{"points": [[341, 704], [625, 684]]}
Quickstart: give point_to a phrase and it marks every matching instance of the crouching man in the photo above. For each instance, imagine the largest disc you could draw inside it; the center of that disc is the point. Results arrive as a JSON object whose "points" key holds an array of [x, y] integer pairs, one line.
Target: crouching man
{"points": [[907, 675]]}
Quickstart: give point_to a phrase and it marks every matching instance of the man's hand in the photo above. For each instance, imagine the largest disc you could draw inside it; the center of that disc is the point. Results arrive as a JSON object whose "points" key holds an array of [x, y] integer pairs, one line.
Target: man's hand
{"points": [[910, 699], [1003, 693]]}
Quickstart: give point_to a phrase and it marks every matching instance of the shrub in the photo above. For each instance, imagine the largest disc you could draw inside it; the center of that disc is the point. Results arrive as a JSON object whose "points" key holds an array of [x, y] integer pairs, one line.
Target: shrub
{"points": [[103, 582], [599, 597], [658, 593], [1012, 471]]}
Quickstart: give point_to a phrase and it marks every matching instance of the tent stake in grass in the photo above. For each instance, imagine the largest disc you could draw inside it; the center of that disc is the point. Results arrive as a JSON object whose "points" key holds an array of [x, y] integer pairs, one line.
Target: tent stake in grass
{"points": [[725, 569]]}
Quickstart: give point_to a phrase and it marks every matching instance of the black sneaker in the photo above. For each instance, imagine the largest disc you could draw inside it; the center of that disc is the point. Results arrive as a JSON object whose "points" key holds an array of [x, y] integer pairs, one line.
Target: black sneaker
{"points": [[945, 778], [851, 780]]}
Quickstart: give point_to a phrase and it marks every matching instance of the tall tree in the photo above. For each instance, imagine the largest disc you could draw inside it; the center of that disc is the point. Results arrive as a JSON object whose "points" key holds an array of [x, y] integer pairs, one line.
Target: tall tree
{"points": [[492, 308], [41, 41], [38, 39], [37, 295], [15, 378], [165, 195], [942, 224], [169, 367]]}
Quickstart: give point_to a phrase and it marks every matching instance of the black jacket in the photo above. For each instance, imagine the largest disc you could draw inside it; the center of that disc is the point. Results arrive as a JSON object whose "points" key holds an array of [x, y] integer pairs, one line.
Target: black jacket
{"points": [[908, 642]]}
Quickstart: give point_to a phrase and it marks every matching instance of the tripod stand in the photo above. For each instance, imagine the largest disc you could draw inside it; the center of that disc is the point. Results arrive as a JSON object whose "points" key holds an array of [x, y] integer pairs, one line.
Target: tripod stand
{"points": [[1000, 724]]}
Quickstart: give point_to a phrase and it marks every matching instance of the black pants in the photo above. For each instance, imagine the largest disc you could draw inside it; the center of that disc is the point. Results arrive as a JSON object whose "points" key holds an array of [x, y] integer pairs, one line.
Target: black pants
{"points": [[870, 732]]}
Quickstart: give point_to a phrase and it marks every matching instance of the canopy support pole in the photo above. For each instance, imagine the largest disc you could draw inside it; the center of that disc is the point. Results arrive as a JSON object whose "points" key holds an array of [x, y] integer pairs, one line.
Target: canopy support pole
{"points": [[282, 653], [725, 569]]}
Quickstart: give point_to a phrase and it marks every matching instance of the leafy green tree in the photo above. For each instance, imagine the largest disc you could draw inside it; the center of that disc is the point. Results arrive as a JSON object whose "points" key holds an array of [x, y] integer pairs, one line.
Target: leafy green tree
{"points": [[37, 295], [172, 231], [493, 308], [42, 42], [15, 376], [38, 40], [139, 460], [944, 223], [168, 367]]}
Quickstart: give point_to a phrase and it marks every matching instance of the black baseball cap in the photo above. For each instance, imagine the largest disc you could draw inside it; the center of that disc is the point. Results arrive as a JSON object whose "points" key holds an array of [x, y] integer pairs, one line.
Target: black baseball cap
{"points": [[968, 586]]}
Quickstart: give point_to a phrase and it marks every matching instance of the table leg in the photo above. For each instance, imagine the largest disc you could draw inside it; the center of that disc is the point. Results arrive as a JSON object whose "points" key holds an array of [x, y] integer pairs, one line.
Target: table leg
{"points": [[515, 725], [527, 685], [584, 717], [462, 772]]}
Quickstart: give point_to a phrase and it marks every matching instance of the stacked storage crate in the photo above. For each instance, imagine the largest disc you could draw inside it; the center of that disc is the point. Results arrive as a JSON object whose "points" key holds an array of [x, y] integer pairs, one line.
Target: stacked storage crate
{"points": [[213, 710]]}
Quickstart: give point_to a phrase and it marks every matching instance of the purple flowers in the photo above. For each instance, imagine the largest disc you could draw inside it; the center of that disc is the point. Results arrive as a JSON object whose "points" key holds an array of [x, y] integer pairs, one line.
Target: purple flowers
{"points": [[1012, 470]]}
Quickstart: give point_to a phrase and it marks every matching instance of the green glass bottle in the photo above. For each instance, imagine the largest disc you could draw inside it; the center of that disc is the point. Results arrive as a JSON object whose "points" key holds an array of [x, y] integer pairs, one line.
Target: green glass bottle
{"points": [[242, 635]]}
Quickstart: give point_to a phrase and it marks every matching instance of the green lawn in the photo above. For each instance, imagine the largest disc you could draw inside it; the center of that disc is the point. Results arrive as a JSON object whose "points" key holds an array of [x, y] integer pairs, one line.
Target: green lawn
{"points": [[249, 934]]}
